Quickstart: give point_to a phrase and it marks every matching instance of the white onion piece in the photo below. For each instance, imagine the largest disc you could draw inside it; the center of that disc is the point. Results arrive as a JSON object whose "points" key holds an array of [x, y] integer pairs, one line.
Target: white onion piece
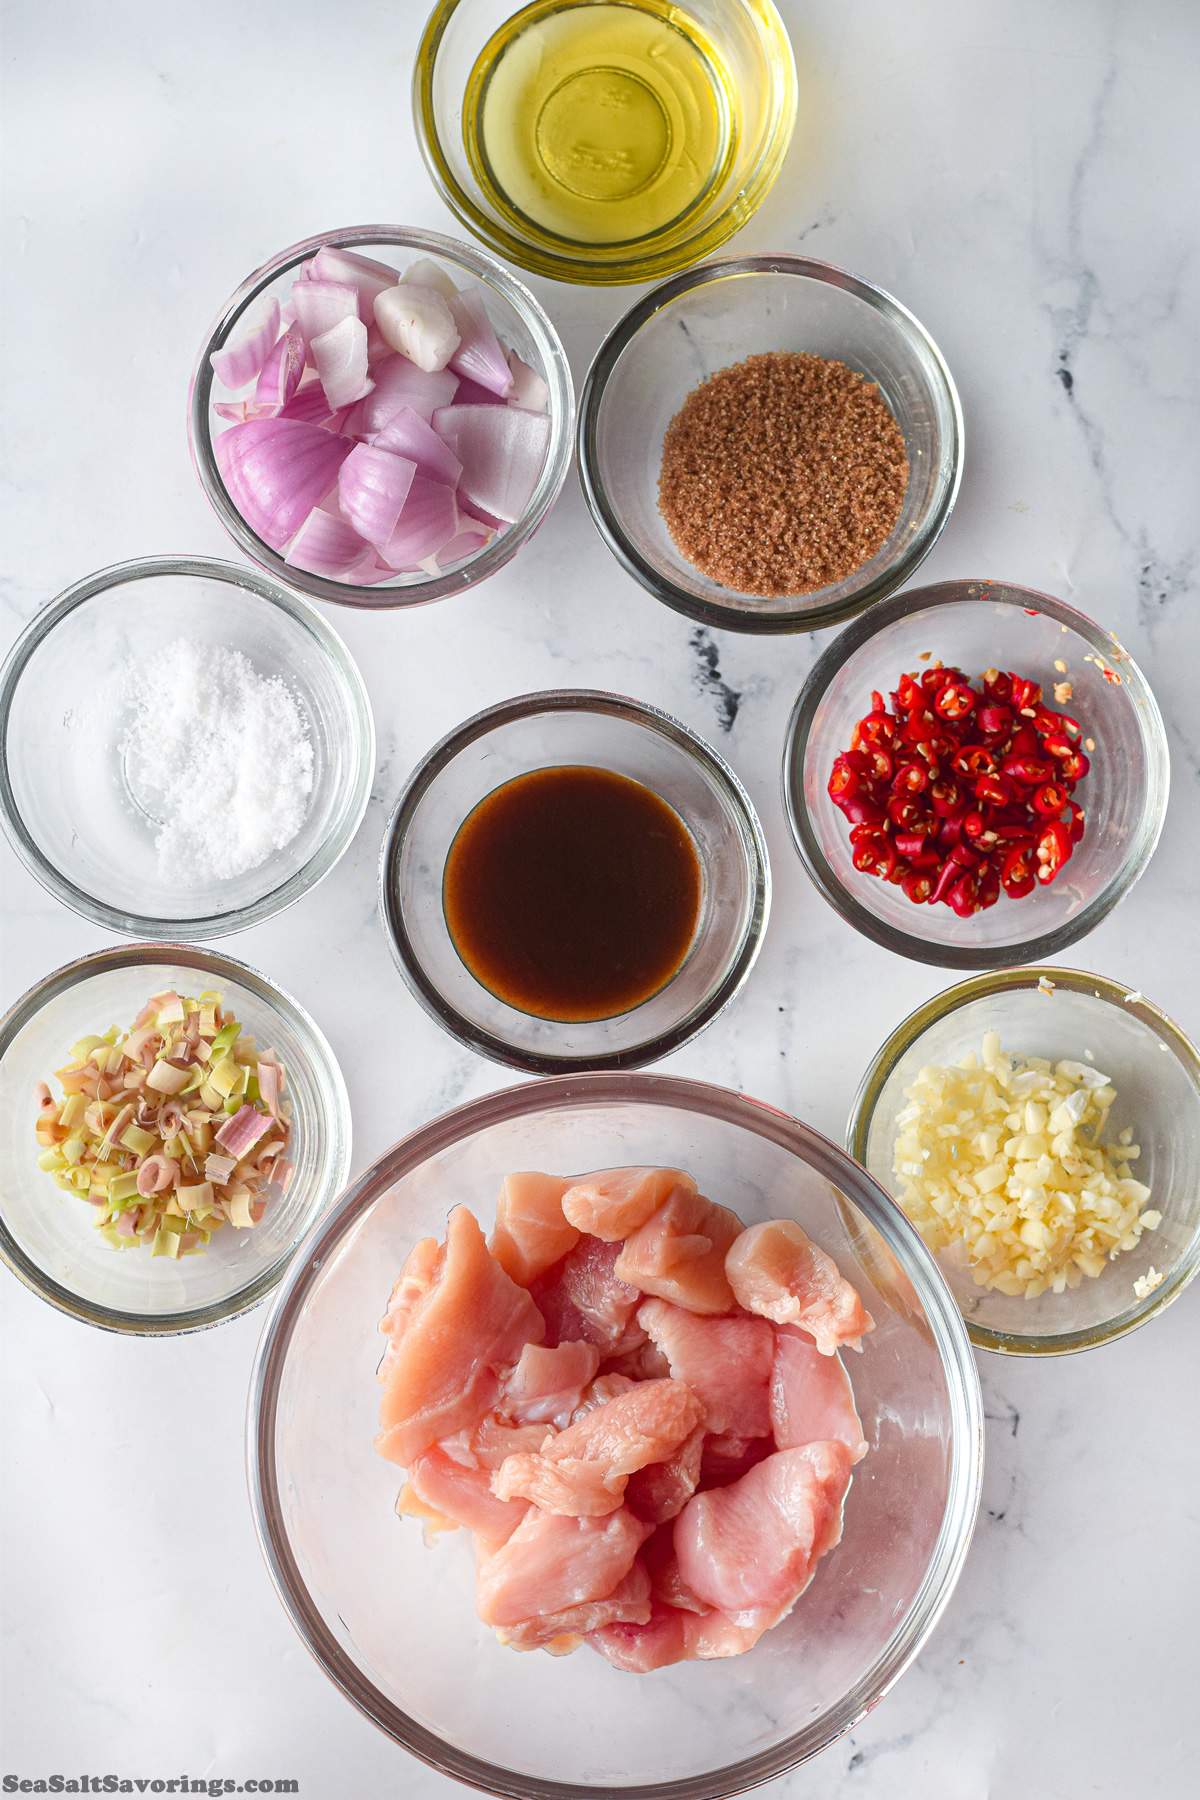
{"points": [[407, 434], [325, 545], [426, 273], [479, 356], [372, 487], [320, 305], [360, 272], [240, 364], [428, 519], [528, 389], [400, 383], [276, 470], [417, 322], [341, 359], [280, 376], [502, 450]]}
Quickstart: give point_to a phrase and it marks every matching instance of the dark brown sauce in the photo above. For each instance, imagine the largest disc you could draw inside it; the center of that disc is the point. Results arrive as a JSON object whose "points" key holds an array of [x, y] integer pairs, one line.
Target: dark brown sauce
{"points": [[572, 893]]}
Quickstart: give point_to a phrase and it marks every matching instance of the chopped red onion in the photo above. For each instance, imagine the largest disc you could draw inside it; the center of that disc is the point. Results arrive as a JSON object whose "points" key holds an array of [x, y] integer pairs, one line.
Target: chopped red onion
{"points": [[276, 470], [320, 305], [479, 356], [471, 394], [427, 521], [528, 390], [479, 514], [239, 365], [463, 543], [325, 545], [407, 434], [281, 372], [309, 403], [426, 273], [372, 487], [341, 358], [502, 450], [360, 272], [398, 383]]}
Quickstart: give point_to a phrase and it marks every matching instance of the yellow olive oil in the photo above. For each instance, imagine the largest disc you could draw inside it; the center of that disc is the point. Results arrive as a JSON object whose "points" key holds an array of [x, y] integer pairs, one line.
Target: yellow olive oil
{"points": [[602, 122]]}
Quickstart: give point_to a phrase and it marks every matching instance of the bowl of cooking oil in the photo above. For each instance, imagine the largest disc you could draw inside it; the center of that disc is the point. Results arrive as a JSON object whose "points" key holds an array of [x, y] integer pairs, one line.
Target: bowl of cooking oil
{"points": [[604, 141]]}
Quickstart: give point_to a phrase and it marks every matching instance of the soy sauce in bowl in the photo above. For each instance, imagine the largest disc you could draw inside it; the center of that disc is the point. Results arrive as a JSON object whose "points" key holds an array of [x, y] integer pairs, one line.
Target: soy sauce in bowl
{"points": [[572, 893]]}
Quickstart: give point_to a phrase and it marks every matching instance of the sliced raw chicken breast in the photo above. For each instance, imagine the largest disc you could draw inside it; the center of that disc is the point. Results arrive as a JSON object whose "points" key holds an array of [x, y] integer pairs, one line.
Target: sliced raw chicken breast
{"points": [[414, 1281], [752, 1546], [615, 1202], [492, 1440], [600, 1392], [546, 1386], [658, 1554], [464, 1495], [470, 1320], [727, 1363], [583, 1470], [679, 1253], [552, 1562], [661, 1490], [811, 1396], [581, 1298], [727, 1457], [639, 1648], [646, 1363], [531, 1233], [776, 1271], [629, 1602]]}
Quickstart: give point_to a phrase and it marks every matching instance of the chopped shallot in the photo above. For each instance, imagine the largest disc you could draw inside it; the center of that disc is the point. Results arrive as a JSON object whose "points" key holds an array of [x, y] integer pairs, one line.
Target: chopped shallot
{"points": [[417, 322], [341, 358]]}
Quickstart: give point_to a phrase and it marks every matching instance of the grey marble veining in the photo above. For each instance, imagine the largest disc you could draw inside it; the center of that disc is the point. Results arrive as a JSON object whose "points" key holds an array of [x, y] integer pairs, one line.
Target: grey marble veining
{"points": [[1022, 177]]}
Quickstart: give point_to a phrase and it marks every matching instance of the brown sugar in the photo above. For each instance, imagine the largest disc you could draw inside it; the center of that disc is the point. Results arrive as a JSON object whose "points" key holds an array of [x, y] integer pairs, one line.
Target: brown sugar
{"points": [[782, 474]]}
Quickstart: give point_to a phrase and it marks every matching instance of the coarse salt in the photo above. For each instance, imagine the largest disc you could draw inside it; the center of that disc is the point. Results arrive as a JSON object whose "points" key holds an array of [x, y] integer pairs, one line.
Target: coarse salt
{"points": [[219, 756]]}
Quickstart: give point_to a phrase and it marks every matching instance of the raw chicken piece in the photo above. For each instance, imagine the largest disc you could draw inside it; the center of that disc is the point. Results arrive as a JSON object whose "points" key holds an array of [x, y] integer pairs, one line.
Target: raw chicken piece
{"points": [[661, 1490], [727, 1457], [470, 1320], [713, 1634], [727, 1363], [679, 1253], [463, 1495], [581, 1298], [811, 1397], [552, 1562], [775, 1270], [531, 1234], [415, 1278], [600, 1392], [662, 1640], [629, 1602], [583, 1471], [546, 1385], [752, 1547], [493, 1440], [658, 1554], [615, 1202], [646, 1363]]}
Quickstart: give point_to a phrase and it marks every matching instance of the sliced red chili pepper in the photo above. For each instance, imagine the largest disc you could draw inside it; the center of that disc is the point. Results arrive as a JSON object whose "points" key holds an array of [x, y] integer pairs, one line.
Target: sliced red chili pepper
{"points": [[947, 875], [911, 778], [955, 700], [1074, 821], [880, 762], [1050, 799], [994, 790], [868, 834], [877, 705], [843, 780], [918, 885], [909, 694], [1026, 694], [997, 686], [911, 846], [1030, 771], [994, 721], [964, 856], [977, 830], [974, 760], [877, 729], [989, 887], [918, 727], [1053, 850], [862, 811], [1070, 726], [903, 811], [1016, 872], [949, 832], [1055, 744], [964, 896], [875, 858], [947, 799], [1024, 742], [1074, 767]]}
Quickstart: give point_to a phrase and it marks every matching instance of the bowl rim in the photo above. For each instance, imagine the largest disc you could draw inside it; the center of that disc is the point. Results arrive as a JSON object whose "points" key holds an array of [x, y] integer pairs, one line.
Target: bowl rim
{"points": [[327, 854], [594, 271], [608, 523], [558, 700], [964, 1398], [337, 1126], [828, 666], [1077, 981], [482, 563]]}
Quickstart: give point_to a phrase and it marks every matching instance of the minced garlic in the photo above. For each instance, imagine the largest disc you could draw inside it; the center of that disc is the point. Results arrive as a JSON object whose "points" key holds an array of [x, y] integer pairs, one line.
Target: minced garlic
{"points": [[1001, 1159]]}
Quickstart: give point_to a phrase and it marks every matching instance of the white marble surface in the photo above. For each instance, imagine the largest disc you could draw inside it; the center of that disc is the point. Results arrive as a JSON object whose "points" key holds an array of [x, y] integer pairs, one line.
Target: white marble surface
{"points": [[1018, 175]]}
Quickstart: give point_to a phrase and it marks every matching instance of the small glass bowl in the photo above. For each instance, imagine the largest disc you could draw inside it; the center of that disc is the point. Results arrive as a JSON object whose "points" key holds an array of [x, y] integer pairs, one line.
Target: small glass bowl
{"points": [[548, 730], [719, 314], [1156, 1072], [976, 625], [46, 1236], [393, 1624], [521, 325], [74, 811], [748, 36]]}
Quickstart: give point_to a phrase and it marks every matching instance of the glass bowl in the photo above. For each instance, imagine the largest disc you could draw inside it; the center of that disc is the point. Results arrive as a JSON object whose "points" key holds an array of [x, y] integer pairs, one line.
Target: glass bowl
{"points": [[1156, 1072], [46, 1236], [743, 38], [521, 325], [394, 1625], [976, 625], [548, 730], [716, 315], [71, 800]]}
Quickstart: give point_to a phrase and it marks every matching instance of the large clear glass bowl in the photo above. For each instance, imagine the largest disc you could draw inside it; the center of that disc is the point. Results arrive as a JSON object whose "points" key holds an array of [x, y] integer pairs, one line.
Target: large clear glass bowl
{"points": [[749, 38], [1156, 1072], [46, 1236], [393, 1623], [72, 805], [547, 730], [519, 322], [716, 315], [977, 625]]}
